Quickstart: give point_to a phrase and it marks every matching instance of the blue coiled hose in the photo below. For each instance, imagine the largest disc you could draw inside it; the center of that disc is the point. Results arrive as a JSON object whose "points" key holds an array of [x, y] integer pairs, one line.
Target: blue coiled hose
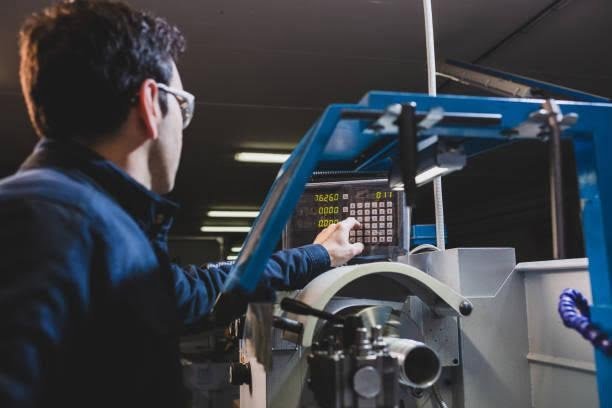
{"points": [[576, 314]]}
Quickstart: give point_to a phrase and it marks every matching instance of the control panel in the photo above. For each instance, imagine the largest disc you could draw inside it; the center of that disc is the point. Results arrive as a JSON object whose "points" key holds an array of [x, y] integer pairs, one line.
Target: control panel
{"points": [[378, 209]]}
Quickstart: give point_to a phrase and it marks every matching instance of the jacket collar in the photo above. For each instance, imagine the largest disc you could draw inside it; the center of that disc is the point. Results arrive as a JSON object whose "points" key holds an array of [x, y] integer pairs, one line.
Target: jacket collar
{"points": [[151, 211]]}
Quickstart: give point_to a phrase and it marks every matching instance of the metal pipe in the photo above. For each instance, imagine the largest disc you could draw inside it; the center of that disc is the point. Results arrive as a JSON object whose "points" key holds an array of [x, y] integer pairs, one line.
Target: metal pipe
{"points": [[419, 364], [556, 181]]}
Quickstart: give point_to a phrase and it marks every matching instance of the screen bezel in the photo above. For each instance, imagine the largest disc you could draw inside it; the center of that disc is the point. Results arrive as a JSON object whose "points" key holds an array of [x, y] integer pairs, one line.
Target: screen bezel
{"points": [[401, 213]]}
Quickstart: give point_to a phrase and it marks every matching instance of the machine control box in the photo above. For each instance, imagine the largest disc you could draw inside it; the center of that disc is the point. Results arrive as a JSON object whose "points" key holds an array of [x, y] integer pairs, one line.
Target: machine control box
{"points": [[378, 209]]}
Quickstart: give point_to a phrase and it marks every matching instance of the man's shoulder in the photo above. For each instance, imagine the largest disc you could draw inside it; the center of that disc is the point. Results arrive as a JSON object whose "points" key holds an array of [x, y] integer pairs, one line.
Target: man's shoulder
{"points": [[54, 187]]}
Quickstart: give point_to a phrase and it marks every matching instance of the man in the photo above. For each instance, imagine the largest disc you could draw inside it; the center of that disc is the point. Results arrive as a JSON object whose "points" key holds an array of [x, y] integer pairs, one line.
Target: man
{"points": [[91, 308]]}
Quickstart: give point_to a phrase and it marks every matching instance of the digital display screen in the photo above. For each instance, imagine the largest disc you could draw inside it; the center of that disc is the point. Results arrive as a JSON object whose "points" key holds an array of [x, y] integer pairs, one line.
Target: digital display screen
{"points": [[371, 202]]}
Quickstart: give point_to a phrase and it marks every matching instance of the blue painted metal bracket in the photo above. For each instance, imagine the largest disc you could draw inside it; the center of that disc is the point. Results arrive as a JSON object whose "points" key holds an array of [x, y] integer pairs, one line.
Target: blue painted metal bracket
{"points": [[333, 143], [280, 202]]}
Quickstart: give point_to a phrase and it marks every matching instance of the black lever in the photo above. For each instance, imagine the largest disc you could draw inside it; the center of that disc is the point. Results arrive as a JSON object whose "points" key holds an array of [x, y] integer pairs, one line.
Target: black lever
{"points": [[289, 325], [297, 307]]}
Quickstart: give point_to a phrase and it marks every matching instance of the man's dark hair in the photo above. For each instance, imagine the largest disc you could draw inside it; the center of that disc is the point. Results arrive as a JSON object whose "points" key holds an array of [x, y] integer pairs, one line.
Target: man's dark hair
{"points": [[83, 62]]}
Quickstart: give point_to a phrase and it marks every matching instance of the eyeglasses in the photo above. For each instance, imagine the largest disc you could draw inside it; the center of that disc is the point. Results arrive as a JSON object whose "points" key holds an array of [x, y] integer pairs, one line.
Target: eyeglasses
{"points": [[185, 100]]}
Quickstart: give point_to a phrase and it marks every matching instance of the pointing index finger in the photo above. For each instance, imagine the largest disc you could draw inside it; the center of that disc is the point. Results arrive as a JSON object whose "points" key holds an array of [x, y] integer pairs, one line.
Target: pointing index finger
{"points": [[350, 223]]}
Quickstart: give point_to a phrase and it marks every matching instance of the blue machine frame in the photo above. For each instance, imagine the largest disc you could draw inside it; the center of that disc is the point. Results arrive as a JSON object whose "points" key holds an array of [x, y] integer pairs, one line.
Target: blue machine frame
{"points": [[347, 145]]}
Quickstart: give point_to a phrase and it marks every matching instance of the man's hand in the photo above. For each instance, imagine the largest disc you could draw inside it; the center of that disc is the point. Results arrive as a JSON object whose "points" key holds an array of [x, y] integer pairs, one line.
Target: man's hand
{"points": [[335, 239]]}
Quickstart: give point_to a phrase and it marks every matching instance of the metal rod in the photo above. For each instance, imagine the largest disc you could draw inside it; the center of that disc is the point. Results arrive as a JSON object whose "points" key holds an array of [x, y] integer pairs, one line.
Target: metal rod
{"points": [[555, 178]]}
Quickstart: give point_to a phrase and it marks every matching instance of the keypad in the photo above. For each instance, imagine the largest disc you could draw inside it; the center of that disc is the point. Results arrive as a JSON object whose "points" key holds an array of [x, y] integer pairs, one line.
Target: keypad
{"points": [[376, 218]]}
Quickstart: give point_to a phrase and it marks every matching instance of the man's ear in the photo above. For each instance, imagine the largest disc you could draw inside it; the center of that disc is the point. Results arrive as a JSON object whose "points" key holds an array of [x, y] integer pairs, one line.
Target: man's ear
{"points": [[148, 107]]}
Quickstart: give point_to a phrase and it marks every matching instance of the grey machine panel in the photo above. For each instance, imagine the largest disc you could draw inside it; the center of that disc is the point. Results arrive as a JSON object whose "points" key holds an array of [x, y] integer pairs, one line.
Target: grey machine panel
{"points": [[493, 371], [560, 360]]}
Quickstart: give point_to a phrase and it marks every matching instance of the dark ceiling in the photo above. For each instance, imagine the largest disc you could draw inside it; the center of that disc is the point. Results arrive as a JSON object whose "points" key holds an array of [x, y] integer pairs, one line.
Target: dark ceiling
{"points": [[262, 71]]}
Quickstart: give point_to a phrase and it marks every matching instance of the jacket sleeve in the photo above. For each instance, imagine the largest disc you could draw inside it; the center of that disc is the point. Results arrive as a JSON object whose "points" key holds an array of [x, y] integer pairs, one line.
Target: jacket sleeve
{"points": [[197, 288], [43, 291]]}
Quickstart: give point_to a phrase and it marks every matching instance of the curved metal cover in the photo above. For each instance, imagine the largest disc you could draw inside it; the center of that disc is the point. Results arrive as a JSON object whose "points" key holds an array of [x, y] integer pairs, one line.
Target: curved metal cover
{"points": [[438, 296]]}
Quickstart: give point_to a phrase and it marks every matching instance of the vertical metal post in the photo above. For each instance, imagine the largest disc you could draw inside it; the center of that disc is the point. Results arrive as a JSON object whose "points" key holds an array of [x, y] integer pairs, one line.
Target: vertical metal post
{"points": [[555, 179], [407, 133]]}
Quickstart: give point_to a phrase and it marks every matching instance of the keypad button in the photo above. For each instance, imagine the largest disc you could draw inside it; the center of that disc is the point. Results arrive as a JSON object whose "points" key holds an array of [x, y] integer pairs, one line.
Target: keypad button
{"points": [[359, 205], [345, 196], [374, 211], [366, 225], [366, 219], [352, 213], [366, 212], [389, 225], [382, 211], [366, 205], [389, 232], [389, 218], [374, 218], [389, 204], [389, 239], [360, 219], [359, 212], [367, 232], [344, 209], [374, 232], [367, 240], [381, 232], [374, 204], [351, 234], [352, 205]]}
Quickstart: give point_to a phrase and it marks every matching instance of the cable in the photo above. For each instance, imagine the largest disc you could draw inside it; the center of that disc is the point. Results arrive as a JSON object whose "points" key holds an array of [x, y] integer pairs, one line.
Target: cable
{"points": [[430, 47], [438, 397], [431, 85], [439, 203], [422, 248], [576, 314]]}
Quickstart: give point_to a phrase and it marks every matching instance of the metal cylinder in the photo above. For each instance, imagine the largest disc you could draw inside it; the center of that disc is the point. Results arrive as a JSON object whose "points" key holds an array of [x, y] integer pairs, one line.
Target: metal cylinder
{"points": [[419, 364]]}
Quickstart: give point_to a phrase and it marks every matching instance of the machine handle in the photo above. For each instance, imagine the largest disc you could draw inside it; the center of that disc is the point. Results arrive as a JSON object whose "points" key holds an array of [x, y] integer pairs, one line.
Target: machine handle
{"points": [[283, 323], [297, 307]]}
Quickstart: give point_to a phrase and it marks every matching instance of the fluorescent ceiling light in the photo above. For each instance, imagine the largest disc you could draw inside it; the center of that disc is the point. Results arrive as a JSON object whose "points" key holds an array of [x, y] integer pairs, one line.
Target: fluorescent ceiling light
{"points": [[232, 214], [215, 228], [430, 174], [232, 257], [256, 157], [236, 249]]}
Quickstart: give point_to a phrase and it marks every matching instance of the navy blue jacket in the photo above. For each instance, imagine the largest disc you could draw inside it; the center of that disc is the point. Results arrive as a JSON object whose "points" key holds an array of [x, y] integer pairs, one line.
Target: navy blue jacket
{"points": [[91, 308]]}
